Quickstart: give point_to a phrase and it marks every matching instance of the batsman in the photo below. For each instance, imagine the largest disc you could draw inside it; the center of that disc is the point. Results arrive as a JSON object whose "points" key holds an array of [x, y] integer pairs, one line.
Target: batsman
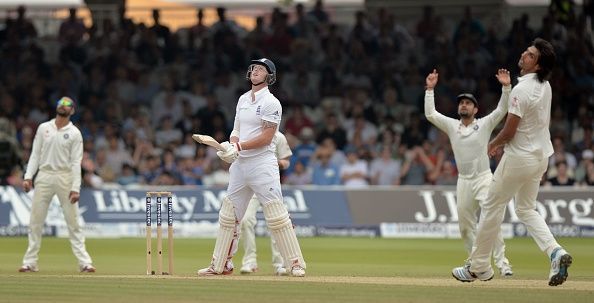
{"points": [[254, 170], [469, 138]]}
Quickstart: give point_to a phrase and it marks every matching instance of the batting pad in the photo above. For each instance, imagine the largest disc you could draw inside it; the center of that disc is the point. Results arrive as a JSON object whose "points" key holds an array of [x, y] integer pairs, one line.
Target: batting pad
{"points": [[226, 243], [281, 229]]}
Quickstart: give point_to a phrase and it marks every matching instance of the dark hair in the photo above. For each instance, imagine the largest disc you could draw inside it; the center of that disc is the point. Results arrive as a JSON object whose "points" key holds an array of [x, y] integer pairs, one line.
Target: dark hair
{"points": [[546, 59]]}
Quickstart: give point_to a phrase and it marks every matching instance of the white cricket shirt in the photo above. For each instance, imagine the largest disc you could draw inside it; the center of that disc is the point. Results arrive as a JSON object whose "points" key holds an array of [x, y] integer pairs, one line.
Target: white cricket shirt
{"points": [[469, 143], [249, 116], [282, 146], [56, 151], [531, 101]]}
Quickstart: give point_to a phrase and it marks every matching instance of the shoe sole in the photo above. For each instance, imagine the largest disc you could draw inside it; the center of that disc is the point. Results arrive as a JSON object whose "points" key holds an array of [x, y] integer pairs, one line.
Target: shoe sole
{"points": [[464, 281], [224, 273], [561, 276], [27, 269], [468, 281], [247, 272]]}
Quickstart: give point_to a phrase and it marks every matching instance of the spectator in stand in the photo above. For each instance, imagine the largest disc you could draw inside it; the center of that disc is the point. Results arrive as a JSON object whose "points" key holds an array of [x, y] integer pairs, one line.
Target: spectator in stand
{"points": [[324, 172], [71, 35], [561, 154], [582, 170], [589, 179], [428, 27], [299, 176], [116, 155], [385, 170], [362, 132], [160, 31], [334, 131], [586, 142], [167, 134], [198, 31], [337, 156], [90, 178], [319, 14], [447, 175], [354, 172], [297, 121], [207, 114], [304, 151], [10, 157], [562, 178], [416, 167], [128, 175], [22, 27]]}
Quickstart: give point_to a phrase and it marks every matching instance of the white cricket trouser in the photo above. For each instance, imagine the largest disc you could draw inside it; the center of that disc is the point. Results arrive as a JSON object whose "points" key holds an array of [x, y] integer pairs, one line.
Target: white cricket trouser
{"points": [[48, 184], [248, 236], [519, 177], [470, 196], [257, 175]]}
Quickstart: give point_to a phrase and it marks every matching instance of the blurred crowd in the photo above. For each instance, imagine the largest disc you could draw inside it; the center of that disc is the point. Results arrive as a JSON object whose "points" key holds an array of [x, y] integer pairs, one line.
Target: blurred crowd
{"points": [[352, 95]]}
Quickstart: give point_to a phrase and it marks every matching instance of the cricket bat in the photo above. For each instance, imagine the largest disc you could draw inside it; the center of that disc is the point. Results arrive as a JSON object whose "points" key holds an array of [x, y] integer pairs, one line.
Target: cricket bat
{"points": [[207, 140]]}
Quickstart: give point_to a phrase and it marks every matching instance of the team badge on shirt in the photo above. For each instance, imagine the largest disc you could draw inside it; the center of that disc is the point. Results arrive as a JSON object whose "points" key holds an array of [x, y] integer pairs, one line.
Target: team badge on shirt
{"points": [[476, 127], [66, 136], [258, 110]]}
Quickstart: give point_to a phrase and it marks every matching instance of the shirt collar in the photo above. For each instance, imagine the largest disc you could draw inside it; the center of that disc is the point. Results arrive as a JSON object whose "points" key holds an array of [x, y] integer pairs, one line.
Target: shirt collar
{"points": [[261, 92], [53, 124], [526, 76], [469, 125]]}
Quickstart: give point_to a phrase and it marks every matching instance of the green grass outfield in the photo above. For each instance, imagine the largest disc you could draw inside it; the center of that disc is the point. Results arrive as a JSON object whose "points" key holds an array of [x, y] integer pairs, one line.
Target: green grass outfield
{"points": [[339, 270]]}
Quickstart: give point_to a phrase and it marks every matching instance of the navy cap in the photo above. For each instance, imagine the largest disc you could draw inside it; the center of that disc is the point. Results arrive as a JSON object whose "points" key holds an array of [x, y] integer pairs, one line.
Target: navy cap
{"points": [[467, 96]]}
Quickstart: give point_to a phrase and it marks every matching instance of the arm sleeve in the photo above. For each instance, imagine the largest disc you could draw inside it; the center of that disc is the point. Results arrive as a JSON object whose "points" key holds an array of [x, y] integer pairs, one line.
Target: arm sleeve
{"points": [[436, 118], [272, 111], [76, 154], [495, 116], [517, 104], [33, 163]]}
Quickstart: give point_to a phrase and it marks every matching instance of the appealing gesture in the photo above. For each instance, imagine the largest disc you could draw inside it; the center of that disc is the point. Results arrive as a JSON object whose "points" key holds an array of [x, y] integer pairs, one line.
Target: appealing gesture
{"points": [[503, 77], [431, 80]]}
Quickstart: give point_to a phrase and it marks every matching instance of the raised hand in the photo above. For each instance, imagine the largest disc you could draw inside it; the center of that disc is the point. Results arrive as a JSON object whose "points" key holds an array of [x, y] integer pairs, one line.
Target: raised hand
{"points": [[503, 77], [431, 80]]}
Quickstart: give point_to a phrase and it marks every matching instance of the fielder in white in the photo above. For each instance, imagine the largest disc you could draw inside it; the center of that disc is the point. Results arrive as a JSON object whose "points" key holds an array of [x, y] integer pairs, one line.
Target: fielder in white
{"points": [[248, 224], [254, 170], [55, 157], [469, 138], [527, 148]]}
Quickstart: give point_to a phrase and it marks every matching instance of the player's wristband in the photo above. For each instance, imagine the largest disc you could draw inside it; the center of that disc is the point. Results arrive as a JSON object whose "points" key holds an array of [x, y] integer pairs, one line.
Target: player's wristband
{"points": [[237, 146]]}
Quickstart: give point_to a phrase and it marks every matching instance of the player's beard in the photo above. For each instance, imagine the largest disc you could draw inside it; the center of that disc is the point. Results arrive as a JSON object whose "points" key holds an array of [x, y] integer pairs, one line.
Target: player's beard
{"points": [[465, 114], [63, 113]]}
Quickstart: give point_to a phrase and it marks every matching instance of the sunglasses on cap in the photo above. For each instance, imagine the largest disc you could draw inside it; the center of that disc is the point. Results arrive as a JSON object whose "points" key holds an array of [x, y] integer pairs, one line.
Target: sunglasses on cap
{"points": [[65, 101]]}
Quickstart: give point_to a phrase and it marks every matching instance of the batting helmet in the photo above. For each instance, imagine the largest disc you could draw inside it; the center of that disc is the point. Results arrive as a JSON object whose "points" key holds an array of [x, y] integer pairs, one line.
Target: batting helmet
{"points": [[270, 68]]}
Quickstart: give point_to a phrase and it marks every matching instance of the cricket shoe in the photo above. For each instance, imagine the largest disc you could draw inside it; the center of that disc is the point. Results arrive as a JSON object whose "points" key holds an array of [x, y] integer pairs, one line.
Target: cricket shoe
{"points": [[463, 274], [506, 270], [249, 268], [279, 270], [28, 268], [297, 271], [560, 262], [209, 271], [88, 268]]}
